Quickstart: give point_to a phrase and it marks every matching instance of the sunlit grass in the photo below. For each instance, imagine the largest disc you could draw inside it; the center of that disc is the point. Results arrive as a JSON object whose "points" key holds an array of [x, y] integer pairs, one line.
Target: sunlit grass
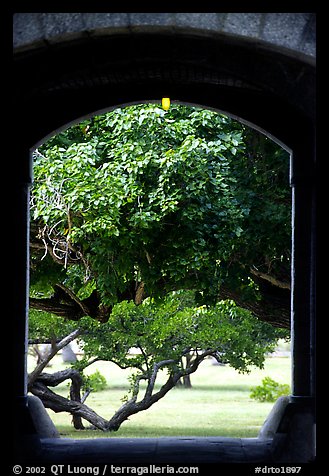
{"points": [[218, 404]]}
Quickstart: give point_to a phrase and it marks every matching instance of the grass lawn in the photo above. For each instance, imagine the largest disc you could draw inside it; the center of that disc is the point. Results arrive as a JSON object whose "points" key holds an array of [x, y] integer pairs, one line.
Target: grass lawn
{"points": [[217, 405]]}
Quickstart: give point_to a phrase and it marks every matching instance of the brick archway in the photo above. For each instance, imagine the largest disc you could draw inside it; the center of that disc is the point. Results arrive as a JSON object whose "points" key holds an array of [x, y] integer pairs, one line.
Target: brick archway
{"points": [[258, 68]]}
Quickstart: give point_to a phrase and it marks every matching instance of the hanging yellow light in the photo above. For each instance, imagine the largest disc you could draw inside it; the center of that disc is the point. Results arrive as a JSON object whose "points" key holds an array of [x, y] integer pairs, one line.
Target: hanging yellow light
{"points": [[166, 103]]}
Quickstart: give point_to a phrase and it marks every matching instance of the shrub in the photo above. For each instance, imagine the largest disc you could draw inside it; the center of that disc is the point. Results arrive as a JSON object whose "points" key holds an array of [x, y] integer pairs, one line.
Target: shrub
{"points": [[95, 382], [269, 391]]}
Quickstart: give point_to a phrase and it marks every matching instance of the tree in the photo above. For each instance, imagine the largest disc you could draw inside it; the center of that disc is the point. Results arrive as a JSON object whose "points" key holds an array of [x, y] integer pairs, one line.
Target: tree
{"points": [[162, 335], [140, 202]]}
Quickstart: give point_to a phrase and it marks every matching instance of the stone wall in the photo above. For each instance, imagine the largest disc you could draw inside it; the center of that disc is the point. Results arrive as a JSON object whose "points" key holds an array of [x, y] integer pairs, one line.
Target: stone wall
{"points": [[289, 31]]}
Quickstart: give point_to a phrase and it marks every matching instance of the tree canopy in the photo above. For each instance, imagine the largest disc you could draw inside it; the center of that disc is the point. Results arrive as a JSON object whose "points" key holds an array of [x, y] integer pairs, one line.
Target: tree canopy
{"points": [[140, 202]]}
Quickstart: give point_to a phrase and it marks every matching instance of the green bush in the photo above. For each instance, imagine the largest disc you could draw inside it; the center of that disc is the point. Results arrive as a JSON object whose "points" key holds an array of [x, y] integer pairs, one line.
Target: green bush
{"points": [[95, 382], [269, 391]]}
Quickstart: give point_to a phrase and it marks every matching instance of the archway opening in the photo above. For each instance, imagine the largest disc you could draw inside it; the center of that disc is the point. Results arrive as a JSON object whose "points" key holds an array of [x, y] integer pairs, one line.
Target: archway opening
{"points": [[217, 187]]}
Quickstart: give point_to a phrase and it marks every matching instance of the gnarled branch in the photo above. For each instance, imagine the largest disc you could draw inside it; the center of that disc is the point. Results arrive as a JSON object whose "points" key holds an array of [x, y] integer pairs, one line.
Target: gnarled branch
{"points": [[55, 349], [271, 279]]}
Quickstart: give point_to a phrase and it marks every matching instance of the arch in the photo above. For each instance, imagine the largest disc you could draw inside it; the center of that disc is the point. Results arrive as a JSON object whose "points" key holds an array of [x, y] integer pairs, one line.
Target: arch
{"points": [[293, 32], [258, 67]]}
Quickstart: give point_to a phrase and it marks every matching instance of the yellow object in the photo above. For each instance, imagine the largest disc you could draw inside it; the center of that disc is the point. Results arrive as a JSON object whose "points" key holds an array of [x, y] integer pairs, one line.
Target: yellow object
{"points": [[166, 103]]}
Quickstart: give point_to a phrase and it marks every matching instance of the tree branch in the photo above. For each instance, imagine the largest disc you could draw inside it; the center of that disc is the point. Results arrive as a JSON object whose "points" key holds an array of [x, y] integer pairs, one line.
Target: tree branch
{"points": [[56, 348], [74, 298], [58, 403], [272, 308], [270, 279]]}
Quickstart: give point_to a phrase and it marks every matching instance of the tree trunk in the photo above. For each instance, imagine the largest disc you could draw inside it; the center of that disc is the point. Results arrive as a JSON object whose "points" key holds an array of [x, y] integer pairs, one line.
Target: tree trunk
{"points": [[132, 406], [79, 410], [185, 381], [58, 403], [187, 378], [75, 396]]}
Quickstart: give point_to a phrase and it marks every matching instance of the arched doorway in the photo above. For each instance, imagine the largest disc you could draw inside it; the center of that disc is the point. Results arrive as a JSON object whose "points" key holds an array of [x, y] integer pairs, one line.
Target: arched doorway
{"points": [[62, 75]]}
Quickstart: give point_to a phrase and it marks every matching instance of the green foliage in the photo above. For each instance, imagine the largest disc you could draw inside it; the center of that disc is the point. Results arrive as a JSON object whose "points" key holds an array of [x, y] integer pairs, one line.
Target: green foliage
{"points": [[269, 391], [158, 332], [187, 199], [44, 326], [95, 382], [168, 198], [139, 337]]}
